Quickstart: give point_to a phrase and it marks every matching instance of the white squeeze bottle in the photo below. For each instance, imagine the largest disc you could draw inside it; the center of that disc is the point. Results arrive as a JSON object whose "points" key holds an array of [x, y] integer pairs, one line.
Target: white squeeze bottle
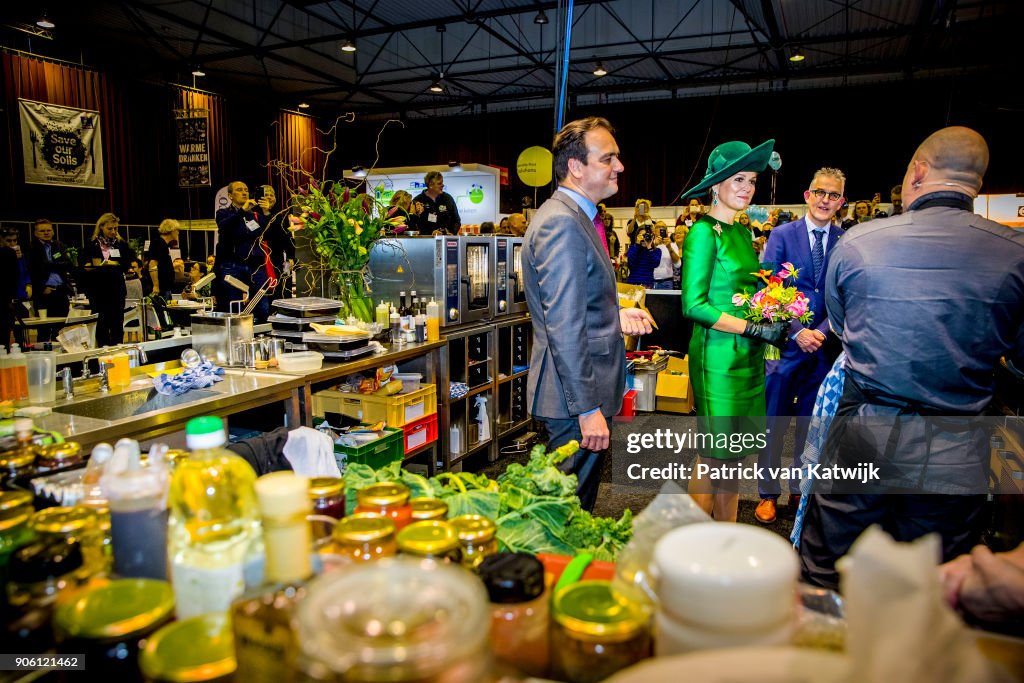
{"points": [[214, 528]]}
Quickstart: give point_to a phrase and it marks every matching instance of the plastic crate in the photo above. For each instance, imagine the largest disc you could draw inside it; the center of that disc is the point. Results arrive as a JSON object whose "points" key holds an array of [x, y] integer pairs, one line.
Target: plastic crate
{"points": [[396, 411], [420, 432], [375, 454], [628, 404]]}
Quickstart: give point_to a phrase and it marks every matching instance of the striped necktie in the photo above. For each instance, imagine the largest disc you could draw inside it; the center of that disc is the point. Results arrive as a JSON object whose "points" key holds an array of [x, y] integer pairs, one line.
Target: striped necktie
{"points": [[601, 233]]}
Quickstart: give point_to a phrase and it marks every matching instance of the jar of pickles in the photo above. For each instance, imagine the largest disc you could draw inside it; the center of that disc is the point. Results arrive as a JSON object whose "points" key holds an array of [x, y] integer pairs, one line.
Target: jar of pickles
{"points": [[386, 500], [595, 632], [59, 455], [433, 540], [364, 537], [426, 509], [398, 620], [476, 536], [109, 624], [78, 524]]}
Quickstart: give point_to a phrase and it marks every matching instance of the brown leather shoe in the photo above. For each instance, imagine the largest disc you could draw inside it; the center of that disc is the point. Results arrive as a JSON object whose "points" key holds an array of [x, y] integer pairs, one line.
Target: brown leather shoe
{"points": [[765, 512]]}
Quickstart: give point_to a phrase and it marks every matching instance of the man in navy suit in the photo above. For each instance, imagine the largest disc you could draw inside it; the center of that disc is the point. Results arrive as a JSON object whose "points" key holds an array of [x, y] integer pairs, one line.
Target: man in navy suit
{"points": [[791, 383]]}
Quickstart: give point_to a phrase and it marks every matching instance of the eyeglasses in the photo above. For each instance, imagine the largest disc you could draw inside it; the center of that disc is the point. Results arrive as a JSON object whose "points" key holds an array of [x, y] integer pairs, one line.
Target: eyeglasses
{"points": [[821, 194]]}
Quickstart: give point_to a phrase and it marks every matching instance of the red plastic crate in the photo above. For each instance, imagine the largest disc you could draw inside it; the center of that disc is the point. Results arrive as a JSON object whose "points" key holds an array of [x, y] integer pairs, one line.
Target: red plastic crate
{"points": [[628, 404], [422, 431]]}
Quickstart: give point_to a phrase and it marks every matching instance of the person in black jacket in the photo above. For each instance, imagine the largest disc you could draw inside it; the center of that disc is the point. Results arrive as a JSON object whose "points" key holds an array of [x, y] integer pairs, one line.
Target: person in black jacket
{"points": [[8, 294], [439, 213], [160, 269], [50, 268], [239, 229], [107, 258]]}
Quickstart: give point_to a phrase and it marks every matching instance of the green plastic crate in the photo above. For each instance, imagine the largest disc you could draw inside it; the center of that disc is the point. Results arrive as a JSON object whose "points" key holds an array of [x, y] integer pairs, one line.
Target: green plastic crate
{"points": [[375, 454]]}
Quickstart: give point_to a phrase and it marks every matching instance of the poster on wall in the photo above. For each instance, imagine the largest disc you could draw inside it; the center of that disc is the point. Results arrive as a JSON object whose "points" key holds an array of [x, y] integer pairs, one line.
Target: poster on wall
{"points": [[193, 130], [61, 145]]}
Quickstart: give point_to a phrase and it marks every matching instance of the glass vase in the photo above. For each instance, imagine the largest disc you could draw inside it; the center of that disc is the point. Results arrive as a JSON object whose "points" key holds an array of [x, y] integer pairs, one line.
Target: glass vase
{"points": [[352, 295]]}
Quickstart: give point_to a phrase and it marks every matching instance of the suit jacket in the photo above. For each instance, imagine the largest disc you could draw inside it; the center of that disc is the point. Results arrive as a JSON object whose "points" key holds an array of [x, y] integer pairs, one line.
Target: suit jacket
{"points": [[40, 268], [789, 243], [578, 360]]}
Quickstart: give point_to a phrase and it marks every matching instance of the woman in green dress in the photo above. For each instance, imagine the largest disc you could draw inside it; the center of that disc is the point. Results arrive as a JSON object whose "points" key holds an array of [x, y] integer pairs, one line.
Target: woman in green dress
{"points": [[726, 351]]}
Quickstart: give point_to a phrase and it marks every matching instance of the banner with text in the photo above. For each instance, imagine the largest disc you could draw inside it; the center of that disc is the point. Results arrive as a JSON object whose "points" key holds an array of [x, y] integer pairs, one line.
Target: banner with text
{"points": [[193, 128], [61, 145]]}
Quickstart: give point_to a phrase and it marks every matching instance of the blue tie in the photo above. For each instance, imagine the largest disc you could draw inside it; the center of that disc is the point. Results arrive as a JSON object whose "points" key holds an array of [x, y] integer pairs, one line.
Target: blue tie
{"points": [[818, 253]]}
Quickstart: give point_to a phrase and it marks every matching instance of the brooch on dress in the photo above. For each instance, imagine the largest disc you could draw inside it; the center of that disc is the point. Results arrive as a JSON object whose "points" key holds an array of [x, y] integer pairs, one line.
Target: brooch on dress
{"points": [[717, 227]]}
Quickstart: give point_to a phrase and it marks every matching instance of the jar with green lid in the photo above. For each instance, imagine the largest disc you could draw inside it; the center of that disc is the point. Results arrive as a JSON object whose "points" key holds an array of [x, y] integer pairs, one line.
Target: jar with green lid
{"points": [[595, 632], [426, 509], [110, 623], [15, 511], [433, 540], [386, 500], [195, 650], [59, 455], [476, 536], [397, 620], [18, 462], [364, 537], [77, 523]]}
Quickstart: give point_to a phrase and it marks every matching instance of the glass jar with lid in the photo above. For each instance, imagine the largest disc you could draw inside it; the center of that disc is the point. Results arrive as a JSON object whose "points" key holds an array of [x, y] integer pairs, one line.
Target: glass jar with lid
{"points": [[58, 455], [433, 540], [519, 611], [426, 509], [77, 523], [110, 623], [18, 462], [595, 632], [386, 500], [364, 537], [15, 511], [197, 650], [397, 620], [327, 499], [476, 536]]}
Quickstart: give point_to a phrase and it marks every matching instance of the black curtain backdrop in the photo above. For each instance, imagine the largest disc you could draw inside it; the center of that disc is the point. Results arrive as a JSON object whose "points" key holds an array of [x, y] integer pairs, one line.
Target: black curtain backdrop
{"points": [[869, 132]]}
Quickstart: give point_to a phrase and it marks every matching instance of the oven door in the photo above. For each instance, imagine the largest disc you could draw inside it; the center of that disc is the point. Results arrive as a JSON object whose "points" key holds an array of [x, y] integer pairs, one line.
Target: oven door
{"points": [[516, 290], [476, 288], [502, 255]]}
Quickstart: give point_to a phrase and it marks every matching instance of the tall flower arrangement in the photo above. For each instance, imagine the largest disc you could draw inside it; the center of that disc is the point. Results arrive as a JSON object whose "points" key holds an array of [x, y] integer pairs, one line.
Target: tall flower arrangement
{"points": [[342, 227]]}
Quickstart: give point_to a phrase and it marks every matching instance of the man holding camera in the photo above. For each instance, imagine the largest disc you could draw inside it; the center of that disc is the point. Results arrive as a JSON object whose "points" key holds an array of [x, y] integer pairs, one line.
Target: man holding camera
{"points": [[239, 229], [643, 257], [791, 383]]}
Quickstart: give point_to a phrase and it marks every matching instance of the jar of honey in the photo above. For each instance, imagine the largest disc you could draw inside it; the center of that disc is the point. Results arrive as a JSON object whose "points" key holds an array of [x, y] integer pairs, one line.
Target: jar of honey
{"points": [[364, 537], [426, 509], [476, 536], [433, 539], [386, 500]]}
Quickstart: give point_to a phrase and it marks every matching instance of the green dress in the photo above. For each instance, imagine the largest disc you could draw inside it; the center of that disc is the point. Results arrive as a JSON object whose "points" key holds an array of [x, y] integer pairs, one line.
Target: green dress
{"points": [[727, 370]]}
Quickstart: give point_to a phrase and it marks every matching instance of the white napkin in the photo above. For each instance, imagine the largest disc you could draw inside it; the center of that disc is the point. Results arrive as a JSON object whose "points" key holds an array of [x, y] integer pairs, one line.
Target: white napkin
{"points": [[899, 627], [311, 453]]}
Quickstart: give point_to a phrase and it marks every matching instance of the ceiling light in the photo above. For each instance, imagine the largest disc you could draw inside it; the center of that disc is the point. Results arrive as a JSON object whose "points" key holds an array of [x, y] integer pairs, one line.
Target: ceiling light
{"points": [[600, 70], [348, 45], [198, 71], [541, 18], [303, 105], [438, 84], [797, 56], [44, 22]]}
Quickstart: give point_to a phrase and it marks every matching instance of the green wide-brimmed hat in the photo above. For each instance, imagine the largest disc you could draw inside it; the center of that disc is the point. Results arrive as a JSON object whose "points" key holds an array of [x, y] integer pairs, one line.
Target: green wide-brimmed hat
{"points": [[732, 157]]}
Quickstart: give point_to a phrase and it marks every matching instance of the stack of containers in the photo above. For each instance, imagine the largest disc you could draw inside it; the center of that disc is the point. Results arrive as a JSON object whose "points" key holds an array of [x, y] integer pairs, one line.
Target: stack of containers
{"points": [[293, 317]]}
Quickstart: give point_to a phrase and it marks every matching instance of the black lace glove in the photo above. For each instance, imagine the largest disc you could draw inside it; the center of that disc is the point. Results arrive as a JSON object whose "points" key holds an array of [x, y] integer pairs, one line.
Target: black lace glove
{"points": [[776, 334]]}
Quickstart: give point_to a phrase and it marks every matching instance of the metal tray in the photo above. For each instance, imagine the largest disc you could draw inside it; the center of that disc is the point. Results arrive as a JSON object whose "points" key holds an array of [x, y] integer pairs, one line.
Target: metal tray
{"points": [[347, 355], [308, 306], [279, 321], [328, 342]]}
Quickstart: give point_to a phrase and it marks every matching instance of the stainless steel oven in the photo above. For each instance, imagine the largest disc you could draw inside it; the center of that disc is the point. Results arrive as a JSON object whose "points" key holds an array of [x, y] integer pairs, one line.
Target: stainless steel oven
{"points": [[509, 295], [456, 271]]}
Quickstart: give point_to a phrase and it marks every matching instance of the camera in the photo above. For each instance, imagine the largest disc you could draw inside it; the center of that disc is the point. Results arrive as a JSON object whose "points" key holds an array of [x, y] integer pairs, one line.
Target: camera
{"points": [[256, 193], [785, 217], [664, 233]]}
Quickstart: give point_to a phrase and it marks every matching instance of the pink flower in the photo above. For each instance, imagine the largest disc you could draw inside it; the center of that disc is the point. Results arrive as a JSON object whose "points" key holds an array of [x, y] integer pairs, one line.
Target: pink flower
{"points": [[738, 299], [798, 307], [758, 296]]}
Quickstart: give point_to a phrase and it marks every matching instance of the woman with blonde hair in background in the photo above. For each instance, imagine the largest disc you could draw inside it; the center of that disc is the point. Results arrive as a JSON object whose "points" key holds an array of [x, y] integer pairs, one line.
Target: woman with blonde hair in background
{"points": [[107, 259]]}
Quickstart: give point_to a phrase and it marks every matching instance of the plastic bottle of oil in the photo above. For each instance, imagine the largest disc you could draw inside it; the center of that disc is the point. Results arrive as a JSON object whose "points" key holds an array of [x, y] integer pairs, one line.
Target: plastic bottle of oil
{"points": [[214, 529]]}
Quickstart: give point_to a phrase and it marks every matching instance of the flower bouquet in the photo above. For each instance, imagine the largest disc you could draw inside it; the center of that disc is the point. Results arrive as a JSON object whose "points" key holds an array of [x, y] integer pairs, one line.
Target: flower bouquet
{"points": [[342, 227], [775, 302]]}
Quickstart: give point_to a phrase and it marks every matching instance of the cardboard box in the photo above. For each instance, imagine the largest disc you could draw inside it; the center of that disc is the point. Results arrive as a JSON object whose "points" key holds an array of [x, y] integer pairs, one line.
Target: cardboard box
{"points": [[674, 391]]}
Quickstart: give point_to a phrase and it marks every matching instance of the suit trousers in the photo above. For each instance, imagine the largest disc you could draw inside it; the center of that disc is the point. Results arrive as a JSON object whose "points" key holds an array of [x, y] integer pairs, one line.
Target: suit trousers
{"points": [[791, 385], [833, 522], [586, 465]]}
